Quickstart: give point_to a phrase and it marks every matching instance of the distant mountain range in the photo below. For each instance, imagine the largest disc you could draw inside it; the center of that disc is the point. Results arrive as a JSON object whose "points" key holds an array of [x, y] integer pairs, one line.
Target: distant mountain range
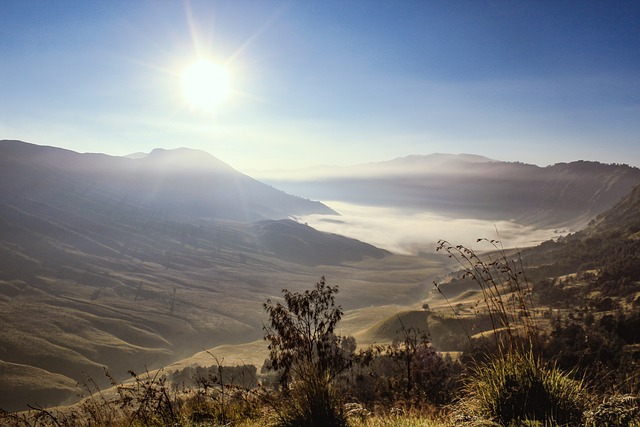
{"points": [[471, 186]]}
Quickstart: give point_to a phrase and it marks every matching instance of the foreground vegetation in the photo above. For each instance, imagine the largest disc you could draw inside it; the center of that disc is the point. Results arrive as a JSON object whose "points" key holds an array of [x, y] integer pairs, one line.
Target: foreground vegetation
{"points": [[579, 374]]}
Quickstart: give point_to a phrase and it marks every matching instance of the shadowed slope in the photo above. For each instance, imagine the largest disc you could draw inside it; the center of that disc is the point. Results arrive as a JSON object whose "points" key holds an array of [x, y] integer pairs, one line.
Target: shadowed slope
{"points": [[297, 242]]}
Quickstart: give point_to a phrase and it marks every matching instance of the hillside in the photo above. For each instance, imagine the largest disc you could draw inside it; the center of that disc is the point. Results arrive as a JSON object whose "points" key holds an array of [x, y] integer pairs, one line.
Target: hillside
{"points": [[185, 183], [101, 270], [134, 263], [146, 292], [296, 242], [610, 245], [469, 186]]}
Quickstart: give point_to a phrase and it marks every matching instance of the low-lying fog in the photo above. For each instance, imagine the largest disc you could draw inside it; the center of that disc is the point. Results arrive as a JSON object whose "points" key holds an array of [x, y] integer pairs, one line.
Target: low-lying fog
{"points": [[405, 232]]}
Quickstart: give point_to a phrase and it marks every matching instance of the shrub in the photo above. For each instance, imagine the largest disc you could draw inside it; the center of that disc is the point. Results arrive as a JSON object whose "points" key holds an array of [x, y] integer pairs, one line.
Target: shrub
{"points": [[304, 348], [311, 402], [301, 333], [517, 386], [513, 386], [506, 294]]}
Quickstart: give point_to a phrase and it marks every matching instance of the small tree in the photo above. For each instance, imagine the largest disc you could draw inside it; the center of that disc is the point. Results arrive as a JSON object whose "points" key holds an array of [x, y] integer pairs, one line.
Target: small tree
{"points": [[302, 332], [305, 349]]}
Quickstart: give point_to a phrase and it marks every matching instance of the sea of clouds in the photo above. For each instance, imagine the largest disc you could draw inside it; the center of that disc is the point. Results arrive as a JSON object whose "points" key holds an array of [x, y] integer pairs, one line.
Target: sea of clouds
{"points": [[409, 233]]}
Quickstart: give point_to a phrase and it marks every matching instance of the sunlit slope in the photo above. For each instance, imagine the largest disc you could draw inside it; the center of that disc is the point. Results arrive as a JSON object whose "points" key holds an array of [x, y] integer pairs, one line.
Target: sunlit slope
{"points": [[391, 328], [29, 384], [73, 300]]}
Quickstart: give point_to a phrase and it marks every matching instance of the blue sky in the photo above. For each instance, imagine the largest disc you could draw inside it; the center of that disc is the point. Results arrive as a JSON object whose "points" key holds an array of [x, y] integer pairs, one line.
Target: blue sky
{"points": [[328, 82]]}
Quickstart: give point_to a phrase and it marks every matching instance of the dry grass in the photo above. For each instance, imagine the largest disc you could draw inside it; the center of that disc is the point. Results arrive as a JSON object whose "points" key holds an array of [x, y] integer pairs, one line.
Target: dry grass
{"points": [[125, 315]]}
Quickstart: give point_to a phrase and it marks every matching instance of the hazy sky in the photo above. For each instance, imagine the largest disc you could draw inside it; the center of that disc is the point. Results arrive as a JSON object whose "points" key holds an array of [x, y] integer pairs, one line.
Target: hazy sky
{"points": [[327, 82]]}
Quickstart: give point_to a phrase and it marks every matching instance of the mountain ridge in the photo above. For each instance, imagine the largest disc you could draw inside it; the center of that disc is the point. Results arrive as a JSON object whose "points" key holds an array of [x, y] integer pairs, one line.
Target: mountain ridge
{"points": [[183, 181], [462, 186]]}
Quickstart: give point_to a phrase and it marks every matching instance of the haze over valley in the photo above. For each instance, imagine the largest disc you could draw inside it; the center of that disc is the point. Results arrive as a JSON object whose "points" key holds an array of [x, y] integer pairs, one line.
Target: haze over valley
{"points": [[408, 203]]}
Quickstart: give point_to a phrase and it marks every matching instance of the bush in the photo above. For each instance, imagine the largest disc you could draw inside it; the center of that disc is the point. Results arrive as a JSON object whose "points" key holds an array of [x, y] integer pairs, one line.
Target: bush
{"points": [[311, 403], [309, 356], [513, 386], [517, 386]]}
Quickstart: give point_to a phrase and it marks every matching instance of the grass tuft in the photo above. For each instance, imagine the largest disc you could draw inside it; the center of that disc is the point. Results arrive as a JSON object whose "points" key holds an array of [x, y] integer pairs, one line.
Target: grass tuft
{"points": [[519, 387]]}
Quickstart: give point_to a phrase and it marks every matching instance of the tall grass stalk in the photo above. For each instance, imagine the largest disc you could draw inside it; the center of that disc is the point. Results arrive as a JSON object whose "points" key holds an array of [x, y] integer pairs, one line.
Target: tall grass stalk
{"points": [[506, 293], [513, 386]]}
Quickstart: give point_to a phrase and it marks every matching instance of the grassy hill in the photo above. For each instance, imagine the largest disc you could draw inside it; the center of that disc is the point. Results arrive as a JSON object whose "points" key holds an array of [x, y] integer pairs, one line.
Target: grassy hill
{"points": [[129, 263], [604, 257], [73, 301]]}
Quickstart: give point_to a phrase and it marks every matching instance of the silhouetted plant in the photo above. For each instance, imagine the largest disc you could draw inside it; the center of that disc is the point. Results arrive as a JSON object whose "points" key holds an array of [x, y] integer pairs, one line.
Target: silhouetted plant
{"points": [[304, 347], [302, 331], [615, 411], [224, 393], [149, 399], [144, 401], [408, 372], [506, 294]]}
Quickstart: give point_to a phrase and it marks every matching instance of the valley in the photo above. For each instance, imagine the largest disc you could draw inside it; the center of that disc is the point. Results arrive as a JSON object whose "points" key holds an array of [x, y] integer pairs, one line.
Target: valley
{"points": [[100, 274], [363, 213]]}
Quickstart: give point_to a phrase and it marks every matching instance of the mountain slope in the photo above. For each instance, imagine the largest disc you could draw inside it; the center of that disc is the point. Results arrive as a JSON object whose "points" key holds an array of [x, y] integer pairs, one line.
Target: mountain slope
{"points": [[605, 255], [475, 187], [117, 263], [130, 291], [300, 243], [182, 182], [621, 220]]}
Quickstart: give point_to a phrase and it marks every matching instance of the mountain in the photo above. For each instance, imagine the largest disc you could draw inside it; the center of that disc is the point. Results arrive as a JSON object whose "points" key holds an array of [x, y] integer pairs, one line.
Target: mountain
{"points": [[183, 183], [133, 263], [470, 186], [622, 220], [600, 261]]}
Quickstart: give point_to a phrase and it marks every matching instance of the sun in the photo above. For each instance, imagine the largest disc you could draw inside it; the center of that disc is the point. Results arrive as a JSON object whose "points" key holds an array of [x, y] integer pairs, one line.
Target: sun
{"points": [[205, 85]]}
